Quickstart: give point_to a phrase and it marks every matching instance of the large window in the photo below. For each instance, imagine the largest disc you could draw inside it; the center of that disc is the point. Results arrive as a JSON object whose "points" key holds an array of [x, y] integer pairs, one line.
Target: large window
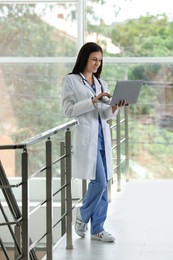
{"points": [[38, 46]]}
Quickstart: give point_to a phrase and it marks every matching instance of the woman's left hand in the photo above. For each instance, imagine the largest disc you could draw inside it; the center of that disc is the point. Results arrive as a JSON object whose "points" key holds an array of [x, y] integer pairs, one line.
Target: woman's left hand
{"points": [[122, 103]]}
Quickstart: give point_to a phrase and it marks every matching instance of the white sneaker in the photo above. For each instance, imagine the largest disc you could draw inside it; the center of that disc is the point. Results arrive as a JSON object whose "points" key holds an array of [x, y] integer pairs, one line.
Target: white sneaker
{"points": [[103, 236], [80, 226]]}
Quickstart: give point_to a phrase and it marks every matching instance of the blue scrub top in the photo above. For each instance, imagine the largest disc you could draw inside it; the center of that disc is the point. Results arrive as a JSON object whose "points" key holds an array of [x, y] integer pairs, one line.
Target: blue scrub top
{"points": [[100, 130], [100, 136]]}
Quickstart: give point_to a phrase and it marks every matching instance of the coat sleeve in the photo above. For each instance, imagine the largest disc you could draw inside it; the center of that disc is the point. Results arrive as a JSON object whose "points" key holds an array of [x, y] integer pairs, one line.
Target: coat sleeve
{"points": [[109, 114], [71, 104], [106, 109]]}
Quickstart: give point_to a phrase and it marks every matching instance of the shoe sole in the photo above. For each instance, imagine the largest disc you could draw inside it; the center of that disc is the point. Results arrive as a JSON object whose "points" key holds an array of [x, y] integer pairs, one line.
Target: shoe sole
{"points": [[102, 240]]}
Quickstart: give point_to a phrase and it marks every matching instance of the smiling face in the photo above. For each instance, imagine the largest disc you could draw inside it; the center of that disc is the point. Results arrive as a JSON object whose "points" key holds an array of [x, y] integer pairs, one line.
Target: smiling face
{"points": [[94, 62]]}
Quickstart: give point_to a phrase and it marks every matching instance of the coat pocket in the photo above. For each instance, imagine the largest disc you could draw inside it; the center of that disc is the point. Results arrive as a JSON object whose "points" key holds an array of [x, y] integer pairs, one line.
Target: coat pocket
{"points": [[82, 135]]}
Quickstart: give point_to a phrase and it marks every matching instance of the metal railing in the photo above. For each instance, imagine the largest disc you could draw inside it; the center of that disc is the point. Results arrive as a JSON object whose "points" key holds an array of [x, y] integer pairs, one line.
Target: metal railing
{"points": [[24, 243], [118, 140]]}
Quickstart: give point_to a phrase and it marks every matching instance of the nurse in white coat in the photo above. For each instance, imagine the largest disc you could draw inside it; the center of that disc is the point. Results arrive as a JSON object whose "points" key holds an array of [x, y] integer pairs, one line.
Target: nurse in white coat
{"points": [[82, 98]]}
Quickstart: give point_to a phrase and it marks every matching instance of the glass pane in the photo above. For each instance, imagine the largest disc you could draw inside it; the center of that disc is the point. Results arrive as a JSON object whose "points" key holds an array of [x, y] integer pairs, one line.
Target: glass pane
{"points": [[31, 103], [38, 30], [30, 98], [128, 28], [150, 119]]}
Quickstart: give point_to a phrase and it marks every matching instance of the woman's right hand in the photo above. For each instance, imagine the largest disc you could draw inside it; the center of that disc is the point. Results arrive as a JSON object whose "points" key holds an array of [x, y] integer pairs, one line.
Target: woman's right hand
{"points": [[100, 96]]}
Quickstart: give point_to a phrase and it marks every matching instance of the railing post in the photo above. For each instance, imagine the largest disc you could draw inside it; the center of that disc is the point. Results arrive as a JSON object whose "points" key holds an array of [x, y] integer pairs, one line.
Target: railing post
{"points": [[17, 232], [118, 153], [126, 143], [84, 188], [25, 207], [49, 204], [110, 181], [63, 199], [68, 190]]}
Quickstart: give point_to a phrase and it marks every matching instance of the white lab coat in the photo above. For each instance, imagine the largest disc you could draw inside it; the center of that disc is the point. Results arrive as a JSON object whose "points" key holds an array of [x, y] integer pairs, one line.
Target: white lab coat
{"points": [[77, 103]]}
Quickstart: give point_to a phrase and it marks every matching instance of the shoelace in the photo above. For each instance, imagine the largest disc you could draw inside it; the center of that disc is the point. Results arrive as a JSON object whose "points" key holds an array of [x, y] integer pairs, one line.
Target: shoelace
{"points": [[83, 227], [101, 234]]}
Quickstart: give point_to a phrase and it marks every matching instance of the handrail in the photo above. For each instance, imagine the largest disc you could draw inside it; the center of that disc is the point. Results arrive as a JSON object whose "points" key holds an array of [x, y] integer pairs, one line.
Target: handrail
{"points": [[26, 244], [39, 137], [65, 190]]}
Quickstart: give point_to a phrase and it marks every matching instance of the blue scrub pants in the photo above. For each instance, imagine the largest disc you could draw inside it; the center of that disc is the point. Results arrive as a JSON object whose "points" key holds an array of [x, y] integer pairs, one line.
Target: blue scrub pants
{"points": [[95, 203]]}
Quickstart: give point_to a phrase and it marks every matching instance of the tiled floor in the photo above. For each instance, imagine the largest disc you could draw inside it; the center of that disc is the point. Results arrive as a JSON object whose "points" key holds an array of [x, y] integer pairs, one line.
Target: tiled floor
{"points": [[141, 218]]}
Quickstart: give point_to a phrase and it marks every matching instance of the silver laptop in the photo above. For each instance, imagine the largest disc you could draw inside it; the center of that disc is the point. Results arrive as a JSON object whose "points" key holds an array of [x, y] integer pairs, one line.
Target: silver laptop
{"points": [[127, 90]]}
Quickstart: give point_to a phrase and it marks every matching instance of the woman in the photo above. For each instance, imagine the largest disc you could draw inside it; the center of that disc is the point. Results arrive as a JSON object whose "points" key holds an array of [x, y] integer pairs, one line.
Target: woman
{"points": [[82, 98]]}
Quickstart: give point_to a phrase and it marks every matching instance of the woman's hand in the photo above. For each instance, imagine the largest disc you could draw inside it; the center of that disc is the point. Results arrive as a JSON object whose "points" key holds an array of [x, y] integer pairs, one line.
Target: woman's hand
{"points": [[122, 103], [100, 96]]}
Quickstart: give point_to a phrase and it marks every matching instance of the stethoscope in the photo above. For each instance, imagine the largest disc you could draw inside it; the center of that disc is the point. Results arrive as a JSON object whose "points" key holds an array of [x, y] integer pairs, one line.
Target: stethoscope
{"points": [[84, 80]]}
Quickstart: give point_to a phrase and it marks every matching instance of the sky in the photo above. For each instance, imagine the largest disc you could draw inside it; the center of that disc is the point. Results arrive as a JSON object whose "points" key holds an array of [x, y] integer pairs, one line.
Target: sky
{"points": [[134, 9]]}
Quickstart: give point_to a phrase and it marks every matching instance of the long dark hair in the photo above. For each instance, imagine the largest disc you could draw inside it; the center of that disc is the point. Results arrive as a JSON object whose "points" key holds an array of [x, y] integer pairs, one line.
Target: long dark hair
{"points": [[83, 56]]}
